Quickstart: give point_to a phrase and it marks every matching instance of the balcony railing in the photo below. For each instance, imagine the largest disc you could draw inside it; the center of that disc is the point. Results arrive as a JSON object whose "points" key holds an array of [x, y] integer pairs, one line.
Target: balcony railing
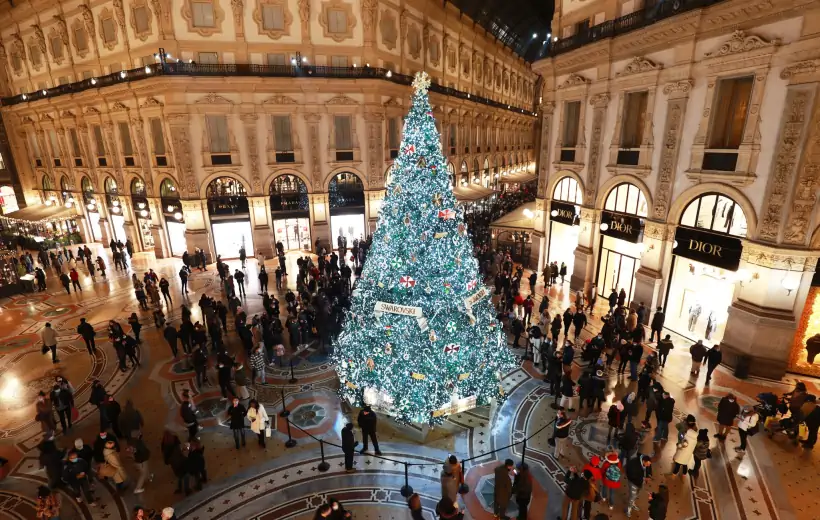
{"points": [[246, 70], [660, 10]]}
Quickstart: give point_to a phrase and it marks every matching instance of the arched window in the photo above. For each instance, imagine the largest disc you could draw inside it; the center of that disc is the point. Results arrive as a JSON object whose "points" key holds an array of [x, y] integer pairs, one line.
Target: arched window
{"points": [[451, 173], [168, 190], [288, 193], [226, 196], [110, 186], [626, 198], [346, 190], [65, 184], [568, 190], [463, 167], [717, 213], [138, 187], [47, 184]]}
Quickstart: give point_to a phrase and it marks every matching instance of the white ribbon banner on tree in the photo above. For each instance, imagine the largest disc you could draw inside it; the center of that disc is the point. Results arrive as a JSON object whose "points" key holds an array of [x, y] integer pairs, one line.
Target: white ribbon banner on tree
{"points": [[473, 299], [403, 310]]}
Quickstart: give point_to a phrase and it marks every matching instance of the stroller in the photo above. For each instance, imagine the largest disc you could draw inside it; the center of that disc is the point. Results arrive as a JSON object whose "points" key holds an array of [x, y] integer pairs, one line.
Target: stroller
{"points": [[772, 411]]}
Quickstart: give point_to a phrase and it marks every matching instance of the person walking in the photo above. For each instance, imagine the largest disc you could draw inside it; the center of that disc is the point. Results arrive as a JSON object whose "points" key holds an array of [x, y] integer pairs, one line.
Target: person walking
{"points": [[612, 299], [522, 489], [236, 414], [713, 358], [659, 503], [130, 420], [86, 330], [62, 400], [664, 411], [576, 488], [141, 454], [698, 352], [562, 423], [239, 276], [44, 415], [259, 421], [263, 280], [746, 426], [165, 288], [638, 472], [568, 317], [49, 337], [171, 336], [579, 320], [348, 446], [702, 452], [664, 346], [136, 326], [76, 474], [503, 488], [75, 280], [657, 324], [112, 466], [183, 279], [449, 483], [187, 411], [727, 411], [367, 422], [196, 463]]}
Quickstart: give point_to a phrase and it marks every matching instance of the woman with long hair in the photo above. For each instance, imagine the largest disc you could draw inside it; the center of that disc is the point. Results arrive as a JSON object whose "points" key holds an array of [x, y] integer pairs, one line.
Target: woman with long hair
{"points": [[259, 420]]}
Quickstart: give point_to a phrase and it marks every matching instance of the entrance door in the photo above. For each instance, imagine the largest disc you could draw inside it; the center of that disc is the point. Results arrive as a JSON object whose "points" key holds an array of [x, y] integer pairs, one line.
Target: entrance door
{"points": [[617, 265], [563, 240], [294, 233], [230, 236], [351, 226], [96, 231], [118, 226], [176, 237]]}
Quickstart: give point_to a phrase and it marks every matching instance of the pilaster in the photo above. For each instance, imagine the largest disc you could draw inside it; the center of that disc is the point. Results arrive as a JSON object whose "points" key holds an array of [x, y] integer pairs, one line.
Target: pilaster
{"points": [[677, 98]]}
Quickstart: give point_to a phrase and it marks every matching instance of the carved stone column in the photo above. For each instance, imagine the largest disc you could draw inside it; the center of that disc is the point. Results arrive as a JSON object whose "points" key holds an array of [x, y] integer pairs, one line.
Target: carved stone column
{"points": [[542, 145], [312, 123], [119, 14], [180, 134], [238, 10], [319, 219], [375, 151], [142, 152], [583, 271], [369, 18], [648, 277], [598, 102], [113, 151], [304, 19], [678, 93], [261, 225]]}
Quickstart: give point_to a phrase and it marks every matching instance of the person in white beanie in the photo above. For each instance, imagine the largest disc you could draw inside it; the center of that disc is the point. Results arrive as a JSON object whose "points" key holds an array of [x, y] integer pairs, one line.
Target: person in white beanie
{"points": [[168, 514]]}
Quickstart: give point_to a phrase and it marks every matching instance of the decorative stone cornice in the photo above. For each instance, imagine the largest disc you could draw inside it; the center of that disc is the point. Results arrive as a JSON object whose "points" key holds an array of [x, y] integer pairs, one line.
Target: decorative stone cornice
{"points": [[151, 102], [778, 258], [214, 98], [742, 42], [803, 67], [279, 100], [678, 87], [341, 99], [547, 107], [118, 107], [599, 100], [574, 80], [656, 230], [638, 65]]}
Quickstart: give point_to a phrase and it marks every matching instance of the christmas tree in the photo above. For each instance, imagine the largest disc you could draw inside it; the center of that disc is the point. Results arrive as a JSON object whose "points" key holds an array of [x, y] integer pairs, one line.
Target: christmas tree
{"points": [[421, 339]]}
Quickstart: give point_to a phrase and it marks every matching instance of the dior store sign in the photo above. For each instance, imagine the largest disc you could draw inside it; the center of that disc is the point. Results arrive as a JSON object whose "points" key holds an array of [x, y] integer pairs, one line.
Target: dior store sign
{"points": [[622, 227], [564, 213], [721, 251]]}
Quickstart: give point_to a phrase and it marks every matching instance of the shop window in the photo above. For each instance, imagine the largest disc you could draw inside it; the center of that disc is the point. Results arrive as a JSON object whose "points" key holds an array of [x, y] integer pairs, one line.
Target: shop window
{"points": [[207, 58], [346, 190], [717, 213], [276, 59], [226, 196], [288, 193], [273, 18], [203, 14], [626, 198], [568, 190]]}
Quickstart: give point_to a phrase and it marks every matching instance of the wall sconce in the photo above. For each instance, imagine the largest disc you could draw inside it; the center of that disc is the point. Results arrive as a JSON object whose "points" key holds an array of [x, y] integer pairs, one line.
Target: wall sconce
{"points": [[91, 205], [115, 209], [116, 203], [743, 276], [528, 213], [789, 283], [178, 215], [554, 213], [604, 226], [144, 213], [170, 208], [141, 205]]}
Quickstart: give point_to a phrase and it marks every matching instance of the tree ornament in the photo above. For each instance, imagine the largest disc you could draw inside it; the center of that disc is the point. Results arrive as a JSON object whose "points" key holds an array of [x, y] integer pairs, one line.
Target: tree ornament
{"points": [[388, 349], [397, 189], [410, 149], [407, 282], [437, 199], [371, 364], [472, 284], [388, 329], [458, 260], [451, 348], [417, 376], [351, 385], [440, 234], [407, 220], [462, 377], [462, 229], [451, 327], [447, 287], [423, 236], [433, 337], [421, 163], [413, 257], [421, 83], [446, 214], [395, 263], [428, 289]]}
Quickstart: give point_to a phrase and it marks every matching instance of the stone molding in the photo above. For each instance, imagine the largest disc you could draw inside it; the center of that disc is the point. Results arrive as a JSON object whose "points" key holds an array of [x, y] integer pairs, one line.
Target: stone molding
{"points": [[741, 42]]}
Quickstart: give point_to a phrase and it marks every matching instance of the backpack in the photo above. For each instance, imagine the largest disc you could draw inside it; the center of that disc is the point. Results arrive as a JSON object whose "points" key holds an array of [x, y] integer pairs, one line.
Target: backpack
{"points": [[613, 473]]}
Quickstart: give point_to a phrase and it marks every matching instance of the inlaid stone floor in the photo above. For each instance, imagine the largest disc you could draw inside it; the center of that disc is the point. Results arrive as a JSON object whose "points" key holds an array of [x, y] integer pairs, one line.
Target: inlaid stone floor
{"points": [[775, 480]]}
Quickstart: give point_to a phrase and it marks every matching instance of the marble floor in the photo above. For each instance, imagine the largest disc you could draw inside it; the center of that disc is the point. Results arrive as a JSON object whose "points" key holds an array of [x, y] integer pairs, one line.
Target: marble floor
{"points": [[774, 480]]}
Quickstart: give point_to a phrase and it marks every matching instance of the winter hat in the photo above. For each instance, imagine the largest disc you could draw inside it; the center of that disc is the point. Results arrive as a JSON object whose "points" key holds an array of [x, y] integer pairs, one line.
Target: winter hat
{"points": [[168, 512], [612, 457], [690, 419], [595, 460]]}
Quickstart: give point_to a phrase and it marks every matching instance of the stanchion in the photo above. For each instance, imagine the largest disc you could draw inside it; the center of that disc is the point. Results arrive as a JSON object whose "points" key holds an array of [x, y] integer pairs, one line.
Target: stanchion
{"points": [[293, 379], [406, 490], [323, 466], [463, 488], [524, 452], [291, 442], [284, 412]]}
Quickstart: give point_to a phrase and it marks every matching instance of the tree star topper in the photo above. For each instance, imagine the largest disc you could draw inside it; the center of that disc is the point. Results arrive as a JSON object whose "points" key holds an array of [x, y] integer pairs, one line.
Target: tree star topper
{"points": [[421, 82]]}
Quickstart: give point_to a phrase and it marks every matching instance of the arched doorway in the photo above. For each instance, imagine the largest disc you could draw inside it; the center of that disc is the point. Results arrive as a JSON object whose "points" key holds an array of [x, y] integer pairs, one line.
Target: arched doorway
{"points": [[67, 198], [142, 212], [49, 196], [115, 209], [451, 173], [230, 217], [704, 270], [290, 212], [92, 208], [174, 218], [346, 194], [476, 172], [564, 215], [621, 243], [485, 175]]}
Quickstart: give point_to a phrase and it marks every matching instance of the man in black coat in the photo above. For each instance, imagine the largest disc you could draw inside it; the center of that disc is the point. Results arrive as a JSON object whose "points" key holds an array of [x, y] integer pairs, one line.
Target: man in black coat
{"points": [[170, 335], [713, 359], [348, 446], [367, 422], [638, 471], [517, 328], [657, 324], [664, 412], [580, 321], [239, 276], [85, 330]]}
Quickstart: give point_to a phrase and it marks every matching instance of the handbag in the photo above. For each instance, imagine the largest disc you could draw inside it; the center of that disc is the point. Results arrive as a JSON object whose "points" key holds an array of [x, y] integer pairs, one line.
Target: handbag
{"points": [[75, 414], [753, 430], [267, 431]]}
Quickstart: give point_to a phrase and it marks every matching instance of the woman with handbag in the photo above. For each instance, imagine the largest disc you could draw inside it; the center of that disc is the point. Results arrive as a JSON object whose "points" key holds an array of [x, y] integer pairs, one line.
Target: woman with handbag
{"points": [[112, 467], [701, 453], [746, 426], [259, 420]]}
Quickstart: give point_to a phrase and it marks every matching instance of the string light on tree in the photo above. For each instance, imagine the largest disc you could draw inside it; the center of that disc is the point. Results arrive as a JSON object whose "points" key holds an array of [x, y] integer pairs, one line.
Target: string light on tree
{"points": [[434, 339]]}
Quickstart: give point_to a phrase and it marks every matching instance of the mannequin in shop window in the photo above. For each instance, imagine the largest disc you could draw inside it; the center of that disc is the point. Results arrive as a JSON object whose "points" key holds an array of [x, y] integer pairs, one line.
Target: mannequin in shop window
{"points": [[710, 325], [694, 314]]}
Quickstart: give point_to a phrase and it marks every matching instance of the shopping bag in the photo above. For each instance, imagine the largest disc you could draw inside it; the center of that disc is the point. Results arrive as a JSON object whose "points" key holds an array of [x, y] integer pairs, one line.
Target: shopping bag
{"points": [[267, 431], [803, 432], [769, 422], [75, 414]]}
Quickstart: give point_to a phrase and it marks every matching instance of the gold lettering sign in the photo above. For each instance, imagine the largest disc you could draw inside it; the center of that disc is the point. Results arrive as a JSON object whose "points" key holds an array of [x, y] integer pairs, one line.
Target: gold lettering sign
{"points": [[620, 226], [565, 214], [705, 247]]}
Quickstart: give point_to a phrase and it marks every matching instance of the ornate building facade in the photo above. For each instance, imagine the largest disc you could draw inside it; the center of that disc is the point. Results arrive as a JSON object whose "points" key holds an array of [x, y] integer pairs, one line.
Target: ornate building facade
{"points": [[189, 123], [679, 162]]}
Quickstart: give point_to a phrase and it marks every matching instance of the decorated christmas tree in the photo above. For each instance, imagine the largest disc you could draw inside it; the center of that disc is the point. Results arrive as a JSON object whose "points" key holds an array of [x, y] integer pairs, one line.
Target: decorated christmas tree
{"points": [[421, 339]]}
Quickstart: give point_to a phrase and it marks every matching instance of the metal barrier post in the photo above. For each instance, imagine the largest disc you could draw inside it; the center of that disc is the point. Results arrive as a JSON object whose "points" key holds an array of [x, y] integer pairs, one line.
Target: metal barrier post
{"points": [[293, 379], [284, 412], [323, 466], [291, 442], [524, 451], [406, 490], [463, 488]]}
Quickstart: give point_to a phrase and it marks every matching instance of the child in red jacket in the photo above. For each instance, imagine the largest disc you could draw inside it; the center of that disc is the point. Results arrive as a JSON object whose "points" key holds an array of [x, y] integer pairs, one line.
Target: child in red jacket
{"points": [[611, 471]]}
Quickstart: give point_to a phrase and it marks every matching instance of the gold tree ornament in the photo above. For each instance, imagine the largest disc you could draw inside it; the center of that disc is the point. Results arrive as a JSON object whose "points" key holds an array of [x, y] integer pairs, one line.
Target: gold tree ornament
{"points": [[421, 82]]}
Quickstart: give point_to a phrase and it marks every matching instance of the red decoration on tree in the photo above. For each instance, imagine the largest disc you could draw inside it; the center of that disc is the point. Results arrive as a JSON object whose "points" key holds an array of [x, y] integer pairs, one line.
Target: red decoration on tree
{"points": [[446, 214], [451, 348], [472, 284], [407, 282], [409, 148]]}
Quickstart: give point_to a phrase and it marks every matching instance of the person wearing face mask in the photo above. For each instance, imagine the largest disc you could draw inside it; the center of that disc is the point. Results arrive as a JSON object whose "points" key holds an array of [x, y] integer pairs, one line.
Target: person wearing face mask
{"points": [[44, 415], [63, 402], [77, 475], [112, 466], [99, 446], [236, 414], [728, 410]]}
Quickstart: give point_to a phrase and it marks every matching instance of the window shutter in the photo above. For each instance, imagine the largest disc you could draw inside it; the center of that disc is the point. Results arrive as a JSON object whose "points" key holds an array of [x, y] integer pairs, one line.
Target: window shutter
{"points": [[343, 133], [156, 136], [141, 19], [99, 141], [272, 18], [109, 32], [282, 133], [203, 14], [80, 39], [75, 143], [125, 138], [218, 132]]}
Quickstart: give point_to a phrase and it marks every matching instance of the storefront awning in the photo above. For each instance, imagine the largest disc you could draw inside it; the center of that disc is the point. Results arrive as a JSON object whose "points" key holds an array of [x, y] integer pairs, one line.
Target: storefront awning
{"points": [[518, 177], [517, 219], [472, 192], [42, 213]]}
